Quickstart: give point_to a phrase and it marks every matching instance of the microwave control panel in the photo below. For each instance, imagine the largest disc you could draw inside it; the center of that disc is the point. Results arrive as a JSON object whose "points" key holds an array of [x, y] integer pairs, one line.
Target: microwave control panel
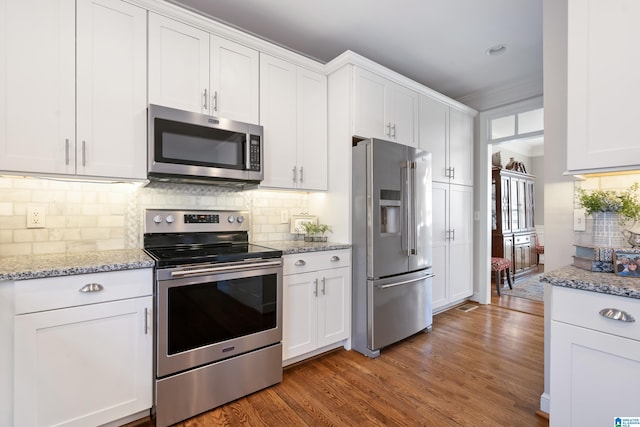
{"points": [[255, 156]]}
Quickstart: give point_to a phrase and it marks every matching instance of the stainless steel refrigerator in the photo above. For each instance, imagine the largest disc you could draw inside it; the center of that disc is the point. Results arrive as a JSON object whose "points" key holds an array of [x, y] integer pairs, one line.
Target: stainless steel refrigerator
{"points": [[392, 244]]}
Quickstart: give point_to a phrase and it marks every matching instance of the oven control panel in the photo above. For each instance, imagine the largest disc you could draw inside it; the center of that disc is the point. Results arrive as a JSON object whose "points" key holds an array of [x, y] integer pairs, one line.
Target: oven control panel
{"points": [[178, 221]]}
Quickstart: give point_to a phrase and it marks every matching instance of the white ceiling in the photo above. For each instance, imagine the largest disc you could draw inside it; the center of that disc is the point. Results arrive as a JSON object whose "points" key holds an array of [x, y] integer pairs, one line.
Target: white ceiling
{"points": [[439, 43]]}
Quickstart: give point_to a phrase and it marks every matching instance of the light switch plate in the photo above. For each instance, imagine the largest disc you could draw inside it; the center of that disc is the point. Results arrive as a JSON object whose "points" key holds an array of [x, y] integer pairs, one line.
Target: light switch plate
{"points": [[579, 220]]}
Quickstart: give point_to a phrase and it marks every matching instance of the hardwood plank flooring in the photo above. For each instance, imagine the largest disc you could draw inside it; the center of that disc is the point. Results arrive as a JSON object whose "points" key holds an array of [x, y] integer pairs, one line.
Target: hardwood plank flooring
{"points": [[478, 368]]}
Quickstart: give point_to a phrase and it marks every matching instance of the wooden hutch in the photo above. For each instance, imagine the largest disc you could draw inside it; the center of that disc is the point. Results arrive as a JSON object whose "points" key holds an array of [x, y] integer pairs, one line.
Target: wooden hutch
{"points": [[513, 228]]}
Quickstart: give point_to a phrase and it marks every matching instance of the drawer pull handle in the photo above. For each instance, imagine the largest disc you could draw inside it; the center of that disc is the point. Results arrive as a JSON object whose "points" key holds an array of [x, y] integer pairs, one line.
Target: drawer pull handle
{"points": [[335, 258], [615, 314], [300, 263], [91, 287]]}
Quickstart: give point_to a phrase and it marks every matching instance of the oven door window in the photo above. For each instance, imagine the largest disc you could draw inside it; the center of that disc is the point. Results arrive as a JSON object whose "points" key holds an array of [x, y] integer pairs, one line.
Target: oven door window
{"points": [[190, 144], [207, 313]]}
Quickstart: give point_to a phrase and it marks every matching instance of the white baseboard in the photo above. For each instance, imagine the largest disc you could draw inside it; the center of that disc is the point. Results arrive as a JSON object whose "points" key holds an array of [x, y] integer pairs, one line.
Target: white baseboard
{"points": [[545, 402]]}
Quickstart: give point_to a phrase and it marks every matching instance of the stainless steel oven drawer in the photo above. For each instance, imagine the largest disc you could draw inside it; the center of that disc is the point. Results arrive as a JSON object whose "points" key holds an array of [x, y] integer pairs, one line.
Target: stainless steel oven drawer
{"points": [[190, 393]]}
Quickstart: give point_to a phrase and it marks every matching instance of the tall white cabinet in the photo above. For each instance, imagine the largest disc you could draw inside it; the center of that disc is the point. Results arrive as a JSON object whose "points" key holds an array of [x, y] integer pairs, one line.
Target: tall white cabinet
{"points": [[293, 111], [603, 85], [192, 70], [63, 92], [447, 133]]}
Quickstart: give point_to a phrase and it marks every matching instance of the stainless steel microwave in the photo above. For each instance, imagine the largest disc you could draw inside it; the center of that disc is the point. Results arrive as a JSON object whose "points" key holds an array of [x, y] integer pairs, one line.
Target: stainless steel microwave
{"points": [[191, 147]]}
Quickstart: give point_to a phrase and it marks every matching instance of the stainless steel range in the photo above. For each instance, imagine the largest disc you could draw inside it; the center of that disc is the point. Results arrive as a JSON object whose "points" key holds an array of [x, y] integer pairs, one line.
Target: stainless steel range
{"points": [[218, 311]]}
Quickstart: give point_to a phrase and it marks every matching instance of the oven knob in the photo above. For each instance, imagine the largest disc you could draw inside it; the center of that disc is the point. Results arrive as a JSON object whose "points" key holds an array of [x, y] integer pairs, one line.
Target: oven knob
{"points": [[157, 219], [169, 219], [231, 219], [240, 219]]}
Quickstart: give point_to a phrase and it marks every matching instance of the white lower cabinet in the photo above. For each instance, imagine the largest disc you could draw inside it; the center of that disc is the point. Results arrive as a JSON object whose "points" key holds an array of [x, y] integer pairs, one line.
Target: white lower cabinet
{"points": [[317, 301], [595, 361], [81, 365]]}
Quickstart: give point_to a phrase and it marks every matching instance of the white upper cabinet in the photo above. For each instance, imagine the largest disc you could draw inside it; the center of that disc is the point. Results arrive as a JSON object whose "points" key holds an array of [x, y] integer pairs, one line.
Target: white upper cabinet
{"points": [[191, 70], [293, 111], [448, 134], [603, 69], [40, 129], [384, 109]]}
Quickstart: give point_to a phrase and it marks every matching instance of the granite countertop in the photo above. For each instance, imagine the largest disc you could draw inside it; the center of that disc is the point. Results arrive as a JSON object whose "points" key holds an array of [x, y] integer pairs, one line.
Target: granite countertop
{"points": [[289, 247], [606, 283], [42, 266]]}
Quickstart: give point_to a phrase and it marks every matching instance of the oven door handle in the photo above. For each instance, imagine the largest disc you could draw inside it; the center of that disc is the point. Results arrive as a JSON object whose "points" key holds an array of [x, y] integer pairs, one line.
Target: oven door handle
{"points": [[224, 268]]}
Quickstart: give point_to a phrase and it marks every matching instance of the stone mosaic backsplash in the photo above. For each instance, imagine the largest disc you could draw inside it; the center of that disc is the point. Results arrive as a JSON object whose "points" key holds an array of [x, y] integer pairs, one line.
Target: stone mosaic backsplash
{"points": [[85, 217]]}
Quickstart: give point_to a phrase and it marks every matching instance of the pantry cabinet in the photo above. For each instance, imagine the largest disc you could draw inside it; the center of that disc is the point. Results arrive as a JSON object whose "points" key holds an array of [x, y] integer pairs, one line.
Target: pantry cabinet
{"points": [[293, 111], [602, 85], [447, 133], [89, 73], [594, 360], [317, 302], [83, 348], [452, 244], [192, 70], [384, 109]]}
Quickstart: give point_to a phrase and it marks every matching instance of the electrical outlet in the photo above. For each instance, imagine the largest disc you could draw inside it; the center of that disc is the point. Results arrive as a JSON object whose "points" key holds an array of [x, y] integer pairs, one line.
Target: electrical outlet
{"points": [[579, 220], [284, 217], [36, 217]]}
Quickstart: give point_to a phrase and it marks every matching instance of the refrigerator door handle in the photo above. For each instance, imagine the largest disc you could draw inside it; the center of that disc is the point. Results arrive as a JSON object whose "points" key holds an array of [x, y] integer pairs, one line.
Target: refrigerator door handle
{"points": [[405, 282], [407, 202], [414, 210]]}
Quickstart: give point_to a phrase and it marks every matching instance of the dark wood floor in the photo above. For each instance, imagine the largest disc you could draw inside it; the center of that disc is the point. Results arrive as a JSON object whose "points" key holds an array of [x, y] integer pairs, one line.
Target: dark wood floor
{"points": [[478, 368]]}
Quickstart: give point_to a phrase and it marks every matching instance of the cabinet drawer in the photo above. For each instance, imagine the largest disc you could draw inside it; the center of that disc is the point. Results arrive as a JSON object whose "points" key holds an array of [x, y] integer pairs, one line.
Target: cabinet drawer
{"points": [[314, 261], [521, 240], [581, 308], [59, 292]]}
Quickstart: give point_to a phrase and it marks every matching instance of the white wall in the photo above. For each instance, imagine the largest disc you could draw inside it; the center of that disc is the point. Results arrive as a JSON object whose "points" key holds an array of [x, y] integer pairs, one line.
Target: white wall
{"points": [[558, 189]]}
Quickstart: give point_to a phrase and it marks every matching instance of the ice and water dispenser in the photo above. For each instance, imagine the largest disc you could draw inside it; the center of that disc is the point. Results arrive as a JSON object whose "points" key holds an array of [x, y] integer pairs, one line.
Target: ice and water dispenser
{"points": [[390, 211]]}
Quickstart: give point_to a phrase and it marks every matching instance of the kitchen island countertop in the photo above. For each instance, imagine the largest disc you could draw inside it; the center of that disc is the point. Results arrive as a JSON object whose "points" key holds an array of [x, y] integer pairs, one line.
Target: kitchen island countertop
{"points": [[606, 283], [52, 265], [289, 247]]}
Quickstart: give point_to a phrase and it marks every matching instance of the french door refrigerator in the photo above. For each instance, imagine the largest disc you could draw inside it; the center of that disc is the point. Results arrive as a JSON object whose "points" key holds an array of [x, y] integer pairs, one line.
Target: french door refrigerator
{"points": [[392, 244]]}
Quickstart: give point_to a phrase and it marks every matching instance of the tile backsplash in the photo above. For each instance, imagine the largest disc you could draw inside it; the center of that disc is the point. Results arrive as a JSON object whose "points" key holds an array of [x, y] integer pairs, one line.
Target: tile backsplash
{"points": [[82, 216]]}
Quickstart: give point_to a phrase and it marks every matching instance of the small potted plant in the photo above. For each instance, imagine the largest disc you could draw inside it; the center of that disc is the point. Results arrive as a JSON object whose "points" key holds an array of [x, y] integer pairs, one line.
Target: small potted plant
{"points": [[312, 229]]}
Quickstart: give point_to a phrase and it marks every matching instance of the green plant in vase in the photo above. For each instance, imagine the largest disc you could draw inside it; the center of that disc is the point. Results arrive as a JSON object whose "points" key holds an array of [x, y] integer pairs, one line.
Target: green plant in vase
{"points": [[624, 203], [312, 229]]}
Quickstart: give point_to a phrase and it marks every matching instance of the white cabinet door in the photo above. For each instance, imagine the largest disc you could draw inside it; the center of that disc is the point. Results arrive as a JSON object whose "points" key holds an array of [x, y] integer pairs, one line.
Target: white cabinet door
{"points": [[311, 130], [460, 147], [440, 212], [434, 135], [333, 305], [293, 111], [111, 97], [594, 376], [178, 65], [234, 80], [452, 219], [278, 95], [602, 88], [369, 105], [300, 312], [448, 134], [461, 242], [402, 113], [85, 365], [37, 86]]}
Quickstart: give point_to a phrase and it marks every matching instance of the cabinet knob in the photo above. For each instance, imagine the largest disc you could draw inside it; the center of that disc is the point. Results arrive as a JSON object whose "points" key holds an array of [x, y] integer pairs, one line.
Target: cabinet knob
{"points": [[300, 263], [335, 258], [91, 287], [616, 314]]}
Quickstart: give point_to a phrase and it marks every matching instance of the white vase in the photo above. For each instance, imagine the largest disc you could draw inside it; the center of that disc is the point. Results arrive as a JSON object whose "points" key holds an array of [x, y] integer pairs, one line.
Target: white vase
{"points": [[607, 230]]}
